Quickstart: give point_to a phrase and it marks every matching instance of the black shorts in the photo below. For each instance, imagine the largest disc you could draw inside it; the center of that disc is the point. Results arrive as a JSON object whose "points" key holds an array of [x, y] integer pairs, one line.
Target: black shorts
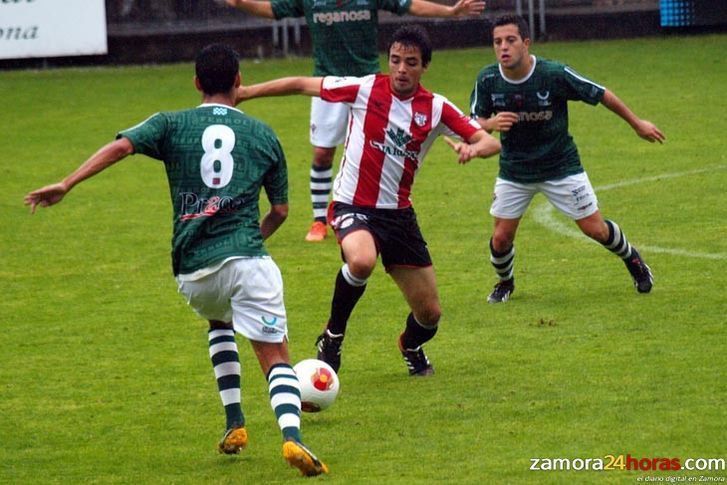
{"points": [[395, 232]]}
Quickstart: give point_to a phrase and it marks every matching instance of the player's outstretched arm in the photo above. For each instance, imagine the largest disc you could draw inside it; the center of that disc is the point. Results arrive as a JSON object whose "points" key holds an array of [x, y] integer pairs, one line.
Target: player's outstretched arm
{"points": [[259, 8], [424, 8], [309, 86], [645, 129], [102, 159], [481, 144]]}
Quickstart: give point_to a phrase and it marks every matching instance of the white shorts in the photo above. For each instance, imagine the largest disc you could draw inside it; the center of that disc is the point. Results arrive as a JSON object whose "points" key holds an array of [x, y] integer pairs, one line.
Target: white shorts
{"points": [[246, 291], [573, 196], [328, 123]]}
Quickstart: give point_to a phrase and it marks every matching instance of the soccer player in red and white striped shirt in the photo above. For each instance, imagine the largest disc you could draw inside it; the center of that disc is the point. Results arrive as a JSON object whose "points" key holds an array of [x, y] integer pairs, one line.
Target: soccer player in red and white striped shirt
{"points": [[392, 123]]}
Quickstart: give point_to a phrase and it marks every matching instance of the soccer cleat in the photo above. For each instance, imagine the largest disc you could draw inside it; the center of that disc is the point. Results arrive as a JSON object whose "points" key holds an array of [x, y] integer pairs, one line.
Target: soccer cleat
{"points": [[318, 232], [502, 291], [300, 457], [234, 440], [416, 360], [640, 272], [329, 349]]}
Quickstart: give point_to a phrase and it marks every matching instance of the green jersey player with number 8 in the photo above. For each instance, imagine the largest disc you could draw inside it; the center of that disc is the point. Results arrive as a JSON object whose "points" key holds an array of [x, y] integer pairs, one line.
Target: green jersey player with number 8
{"points": [[217, 161]]}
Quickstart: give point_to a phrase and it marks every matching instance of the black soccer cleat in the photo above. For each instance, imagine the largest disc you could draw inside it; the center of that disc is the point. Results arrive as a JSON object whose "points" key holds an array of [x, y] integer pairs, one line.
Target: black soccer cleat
{"points": [[416, 360], [502, 291], [329, 349], [640, 272]]}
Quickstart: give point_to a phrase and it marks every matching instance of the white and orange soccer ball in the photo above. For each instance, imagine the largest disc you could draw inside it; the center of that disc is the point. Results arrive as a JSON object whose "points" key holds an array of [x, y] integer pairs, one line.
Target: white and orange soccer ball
{"points": [[318, 385]]}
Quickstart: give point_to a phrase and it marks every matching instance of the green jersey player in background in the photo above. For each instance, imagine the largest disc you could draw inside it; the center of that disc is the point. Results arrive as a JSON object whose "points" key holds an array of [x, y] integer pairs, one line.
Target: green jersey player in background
{"points": [[526, 99], [217, 159], [345, 43]]}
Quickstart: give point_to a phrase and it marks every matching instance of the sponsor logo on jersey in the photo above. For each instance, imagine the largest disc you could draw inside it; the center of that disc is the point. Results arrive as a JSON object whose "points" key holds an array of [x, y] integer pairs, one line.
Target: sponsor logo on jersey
{"points": [[535, 115], [400, 138], [544, 98], [193, 206], [219, 111], [330, 18], [498, 100]]}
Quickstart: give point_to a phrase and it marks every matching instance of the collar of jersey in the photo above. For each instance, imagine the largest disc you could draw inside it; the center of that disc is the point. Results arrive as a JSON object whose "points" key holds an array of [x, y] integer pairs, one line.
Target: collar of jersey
{"points": [[520, 81], [205, 105]]}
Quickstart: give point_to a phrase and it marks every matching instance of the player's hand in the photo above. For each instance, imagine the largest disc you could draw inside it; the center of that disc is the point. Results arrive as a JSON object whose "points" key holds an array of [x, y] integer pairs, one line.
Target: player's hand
{"points": [[46, 196], [468, 7], [465, 151], [503, 121], [649, 132]]}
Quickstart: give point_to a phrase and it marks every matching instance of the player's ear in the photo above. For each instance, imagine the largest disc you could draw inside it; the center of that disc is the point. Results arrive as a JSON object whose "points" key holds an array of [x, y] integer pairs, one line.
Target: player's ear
{"points": [[238, 80], [197, 84]]}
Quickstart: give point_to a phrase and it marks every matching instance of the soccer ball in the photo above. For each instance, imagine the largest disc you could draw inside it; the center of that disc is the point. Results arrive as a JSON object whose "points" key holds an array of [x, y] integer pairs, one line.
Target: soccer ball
{"points": [[318, 385]]}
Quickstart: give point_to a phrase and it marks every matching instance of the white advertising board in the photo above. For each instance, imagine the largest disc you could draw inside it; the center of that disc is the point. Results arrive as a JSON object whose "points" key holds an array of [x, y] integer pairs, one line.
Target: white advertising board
{"points": [[52, 28]]}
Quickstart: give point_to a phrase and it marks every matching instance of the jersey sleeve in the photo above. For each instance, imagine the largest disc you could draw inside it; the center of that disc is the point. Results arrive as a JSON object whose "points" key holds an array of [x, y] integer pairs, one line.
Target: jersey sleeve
{"points": [[580, 88], [287, 8], [340, 89], [148, 136], [455, 122], [399, 7], [276, 179], [480, 102]]}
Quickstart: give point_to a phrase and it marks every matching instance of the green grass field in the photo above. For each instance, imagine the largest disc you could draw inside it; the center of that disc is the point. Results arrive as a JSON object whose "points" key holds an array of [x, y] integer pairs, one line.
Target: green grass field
{"points": [[104, 374]]}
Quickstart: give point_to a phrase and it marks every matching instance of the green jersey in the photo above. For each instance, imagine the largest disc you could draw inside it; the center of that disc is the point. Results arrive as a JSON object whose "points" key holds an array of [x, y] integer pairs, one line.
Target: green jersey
{"points": [[217, 159], [538, 147], [343, 32]]}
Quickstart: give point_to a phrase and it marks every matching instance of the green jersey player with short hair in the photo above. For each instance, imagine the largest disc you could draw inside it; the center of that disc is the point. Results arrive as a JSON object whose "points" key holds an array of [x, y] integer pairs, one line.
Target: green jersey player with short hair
{"points": [[344, 35], [236, 155], [217, 161], [526, 99], [538, 147]]}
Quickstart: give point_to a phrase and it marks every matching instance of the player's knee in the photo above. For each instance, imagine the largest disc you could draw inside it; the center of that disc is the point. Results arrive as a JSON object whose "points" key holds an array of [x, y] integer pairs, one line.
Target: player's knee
{"points": [[599, 232], [219, 325], [361, 266], [429, 316], [323, 157], [502, 241]]}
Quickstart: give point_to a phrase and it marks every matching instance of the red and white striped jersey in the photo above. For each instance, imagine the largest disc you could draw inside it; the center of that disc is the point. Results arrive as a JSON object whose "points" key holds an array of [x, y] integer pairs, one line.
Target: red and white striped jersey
{"points": [[387, 138]]}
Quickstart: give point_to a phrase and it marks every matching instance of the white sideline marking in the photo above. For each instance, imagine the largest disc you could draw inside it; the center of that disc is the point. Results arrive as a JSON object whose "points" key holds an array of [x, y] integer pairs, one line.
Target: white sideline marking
{"points": [[543, 214]]}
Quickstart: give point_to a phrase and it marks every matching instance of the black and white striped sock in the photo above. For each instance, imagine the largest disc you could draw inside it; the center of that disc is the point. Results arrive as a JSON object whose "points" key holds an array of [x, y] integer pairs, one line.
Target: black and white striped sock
{"points": [[226, 364], [503, 263], [321, 182], [617, 242], [285, 399]]}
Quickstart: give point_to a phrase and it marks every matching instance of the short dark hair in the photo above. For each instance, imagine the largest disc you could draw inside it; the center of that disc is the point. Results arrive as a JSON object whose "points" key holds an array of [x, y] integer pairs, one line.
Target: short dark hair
{"points": [[216, 66], [517, 20], [413, 36]]}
